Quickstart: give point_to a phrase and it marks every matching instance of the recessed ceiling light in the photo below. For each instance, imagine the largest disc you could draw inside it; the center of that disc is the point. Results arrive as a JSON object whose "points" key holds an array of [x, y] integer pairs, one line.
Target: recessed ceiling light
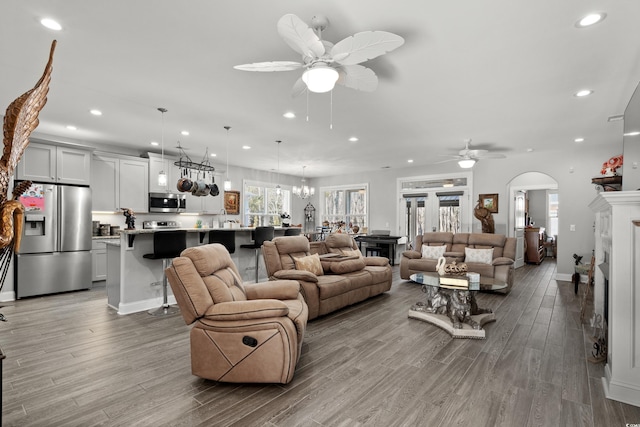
{"points": [[51, 24], [591, 19], [410, 161], [353, 139], [289, 115], [615, 118], [185, 133], [213, 154], [583, 92], [634, 133], [154, 143], [246, 147], [529, 150], [71, 127], [579, 140], [96, 112]]}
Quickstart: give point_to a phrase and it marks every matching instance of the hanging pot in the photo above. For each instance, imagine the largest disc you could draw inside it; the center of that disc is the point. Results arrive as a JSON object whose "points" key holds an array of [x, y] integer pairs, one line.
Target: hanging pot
{"points": [[214, 190]]}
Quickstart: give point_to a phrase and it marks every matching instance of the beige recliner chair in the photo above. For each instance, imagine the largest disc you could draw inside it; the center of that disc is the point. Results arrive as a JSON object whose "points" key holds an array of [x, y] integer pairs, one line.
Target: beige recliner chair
{"points": [[242, 333]]}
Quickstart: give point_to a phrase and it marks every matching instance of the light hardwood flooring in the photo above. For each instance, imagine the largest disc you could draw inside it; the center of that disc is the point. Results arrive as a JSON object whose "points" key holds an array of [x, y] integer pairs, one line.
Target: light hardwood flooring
{"points": [[73, 361]]}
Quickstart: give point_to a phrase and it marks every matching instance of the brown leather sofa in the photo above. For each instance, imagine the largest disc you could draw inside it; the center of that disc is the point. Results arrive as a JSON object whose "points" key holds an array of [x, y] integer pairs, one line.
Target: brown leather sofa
{"points": [[242, 333], [500, 266], [345, 278]]}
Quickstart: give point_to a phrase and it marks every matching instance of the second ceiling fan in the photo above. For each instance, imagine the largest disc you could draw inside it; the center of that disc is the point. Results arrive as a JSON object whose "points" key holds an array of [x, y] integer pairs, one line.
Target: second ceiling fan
{"points": [[326, 64]]}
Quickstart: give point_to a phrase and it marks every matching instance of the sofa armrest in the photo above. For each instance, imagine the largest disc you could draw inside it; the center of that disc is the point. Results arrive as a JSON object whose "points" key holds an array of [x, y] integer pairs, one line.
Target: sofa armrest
{"points": [[296, 275], [274, 289], [246, 310], [502, 261], [412, 254], [376, 261]]}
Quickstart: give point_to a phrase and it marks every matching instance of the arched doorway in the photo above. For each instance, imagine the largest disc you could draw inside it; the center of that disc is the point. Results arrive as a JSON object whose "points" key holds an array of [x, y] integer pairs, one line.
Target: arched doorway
{"points": [[524, 187]]}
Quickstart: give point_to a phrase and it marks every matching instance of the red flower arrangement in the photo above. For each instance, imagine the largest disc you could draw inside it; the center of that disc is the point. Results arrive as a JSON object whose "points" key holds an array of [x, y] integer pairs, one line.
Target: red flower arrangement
{"points": [[610, 166]]}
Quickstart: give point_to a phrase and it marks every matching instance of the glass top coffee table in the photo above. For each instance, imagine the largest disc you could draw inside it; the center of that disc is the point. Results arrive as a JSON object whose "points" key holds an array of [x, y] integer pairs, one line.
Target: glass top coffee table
{"points": [[454, 309]]}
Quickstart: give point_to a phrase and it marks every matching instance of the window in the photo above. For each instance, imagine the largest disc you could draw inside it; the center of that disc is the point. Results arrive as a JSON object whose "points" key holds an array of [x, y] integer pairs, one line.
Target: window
{"points": [[263, 206], [344, 204]]}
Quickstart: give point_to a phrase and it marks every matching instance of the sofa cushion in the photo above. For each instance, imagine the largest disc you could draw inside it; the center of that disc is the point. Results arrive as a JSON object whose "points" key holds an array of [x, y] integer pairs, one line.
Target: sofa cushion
{"points": [[484, 256], [346, 266], [352, 252], [433, 252], [332, 285], [310, 263]]}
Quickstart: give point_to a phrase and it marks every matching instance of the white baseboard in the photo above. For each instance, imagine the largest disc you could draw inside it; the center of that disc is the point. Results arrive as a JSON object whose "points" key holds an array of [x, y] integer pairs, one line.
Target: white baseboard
{"points": [[7, 296]]}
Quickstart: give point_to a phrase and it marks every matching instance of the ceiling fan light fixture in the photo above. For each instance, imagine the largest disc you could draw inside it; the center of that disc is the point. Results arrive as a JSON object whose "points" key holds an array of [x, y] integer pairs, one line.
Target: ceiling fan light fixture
{"points": [[320, 78], [466, 163]]}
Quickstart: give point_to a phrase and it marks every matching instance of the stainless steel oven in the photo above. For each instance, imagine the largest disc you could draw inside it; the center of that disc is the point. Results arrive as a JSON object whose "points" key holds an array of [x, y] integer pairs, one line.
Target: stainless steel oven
{"points": [[167, 202]]}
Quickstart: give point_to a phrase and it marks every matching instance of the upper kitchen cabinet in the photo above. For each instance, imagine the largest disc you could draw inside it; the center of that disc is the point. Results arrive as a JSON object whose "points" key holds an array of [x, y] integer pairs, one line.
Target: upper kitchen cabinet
{"points": [[58, 164], [156, 164], [120, 182]]}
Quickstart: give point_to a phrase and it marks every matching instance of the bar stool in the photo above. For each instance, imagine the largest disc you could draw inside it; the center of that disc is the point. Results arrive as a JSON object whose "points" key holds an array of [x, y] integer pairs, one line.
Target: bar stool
{"points": [[373, 250], [260, 235], [226, 238], [166, 246], [292, 232]]}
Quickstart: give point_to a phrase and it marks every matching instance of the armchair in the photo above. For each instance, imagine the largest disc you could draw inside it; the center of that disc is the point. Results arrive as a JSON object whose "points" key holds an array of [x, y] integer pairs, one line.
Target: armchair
{"points": [[242, 333]]}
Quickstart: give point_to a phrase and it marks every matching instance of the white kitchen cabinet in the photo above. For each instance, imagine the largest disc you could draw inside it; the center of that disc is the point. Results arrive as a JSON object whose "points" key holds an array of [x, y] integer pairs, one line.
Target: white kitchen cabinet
{"points": [[157, 164], [120, 182], [58, 164], [98, 260]]}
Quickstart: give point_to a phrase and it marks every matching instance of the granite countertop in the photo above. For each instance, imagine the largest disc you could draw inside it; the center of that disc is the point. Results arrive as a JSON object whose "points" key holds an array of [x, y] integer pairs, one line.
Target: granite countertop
{"points": [[190, 230], [117, 236]]}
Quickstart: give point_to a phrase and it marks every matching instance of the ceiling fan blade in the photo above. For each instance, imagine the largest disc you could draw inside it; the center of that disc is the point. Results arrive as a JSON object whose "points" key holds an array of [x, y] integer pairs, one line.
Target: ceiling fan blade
{"points": [[358, 77], [491, 156], [270, 66], [299, 87], [300, 37], [363, 46], [476, 153]]}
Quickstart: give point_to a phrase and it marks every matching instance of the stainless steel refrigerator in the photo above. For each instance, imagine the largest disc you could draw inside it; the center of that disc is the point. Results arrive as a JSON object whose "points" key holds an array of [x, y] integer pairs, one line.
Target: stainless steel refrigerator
{"points": [[56, 240]]}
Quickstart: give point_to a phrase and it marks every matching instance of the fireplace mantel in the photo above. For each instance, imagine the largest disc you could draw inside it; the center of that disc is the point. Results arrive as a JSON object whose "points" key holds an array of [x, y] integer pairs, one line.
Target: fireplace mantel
{"points": [[617, 244]]}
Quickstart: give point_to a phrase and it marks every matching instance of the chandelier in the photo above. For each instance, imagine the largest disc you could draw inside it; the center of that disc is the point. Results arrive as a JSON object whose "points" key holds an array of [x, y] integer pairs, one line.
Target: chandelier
{"points": [[304, 191]]}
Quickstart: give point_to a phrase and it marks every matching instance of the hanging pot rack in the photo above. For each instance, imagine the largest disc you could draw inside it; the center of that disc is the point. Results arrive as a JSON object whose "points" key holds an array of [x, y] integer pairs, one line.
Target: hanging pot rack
{"points": [[185, 162]]}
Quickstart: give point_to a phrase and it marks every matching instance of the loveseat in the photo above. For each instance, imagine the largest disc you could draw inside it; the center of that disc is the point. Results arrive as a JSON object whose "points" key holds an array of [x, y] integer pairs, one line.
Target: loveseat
{"points": [[333, 274], [242, 333], [490, 255]]}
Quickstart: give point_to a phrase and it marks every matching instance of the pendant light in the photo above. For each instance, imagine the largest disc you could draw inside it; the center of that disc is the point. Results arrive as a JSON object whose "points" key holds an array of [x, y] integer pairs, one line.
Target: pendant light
{"points": [[278, 188], [227, 183], [303, 191], [162, 177]]}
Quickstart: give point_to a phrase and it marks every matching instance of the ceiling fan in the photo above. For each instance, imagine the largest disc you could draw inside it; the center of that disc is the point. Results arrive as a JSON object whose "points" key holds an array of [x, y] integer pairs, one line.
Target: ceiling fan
{"points": [[324, 63], [467, 157]]}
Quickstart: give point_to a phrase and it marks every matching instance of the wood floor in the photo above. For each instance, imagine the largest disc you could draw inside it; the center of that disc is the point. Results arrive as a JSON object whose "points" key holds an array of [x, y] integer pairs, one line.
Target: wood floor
{"points": [[73, 361]]}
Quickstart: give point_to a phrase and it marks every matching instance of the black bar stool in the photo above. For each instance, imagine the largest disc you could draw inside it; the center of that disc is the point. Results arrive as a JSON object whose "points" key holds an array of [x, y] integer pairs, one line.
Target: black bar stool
{"points": [[260, 235], [226, 238], [167, 245], [292, 232]]}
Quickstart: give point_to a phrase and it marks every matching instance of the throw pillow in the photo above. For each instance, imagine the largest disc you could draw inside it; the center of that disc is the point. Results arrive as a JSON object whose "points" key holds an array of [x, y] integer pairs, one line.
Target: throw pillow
{"points": [[482, 256], [353, 252], [433, 252], [310, 263]]}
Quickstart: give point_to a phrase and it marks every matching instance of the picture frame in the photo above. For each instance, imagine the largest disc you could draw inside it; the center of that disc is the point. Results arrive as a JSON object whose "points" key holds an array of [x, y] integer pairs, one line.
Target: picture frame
{"points": [[232, 202], [489, 202]]}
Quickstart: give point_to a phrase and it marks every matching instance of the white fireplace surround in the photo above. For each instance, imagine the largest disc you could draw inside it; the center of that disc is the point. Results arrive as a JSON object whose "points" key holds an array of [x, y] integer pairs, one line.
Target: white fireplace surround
{"points": [[617, 234]]}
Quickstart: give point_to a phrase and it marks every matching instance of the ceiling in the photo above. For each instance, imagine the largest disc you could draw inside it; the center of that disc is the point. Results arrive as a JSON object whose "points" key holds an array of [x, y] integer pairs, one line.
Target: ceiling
{"points": [[500, 72]]}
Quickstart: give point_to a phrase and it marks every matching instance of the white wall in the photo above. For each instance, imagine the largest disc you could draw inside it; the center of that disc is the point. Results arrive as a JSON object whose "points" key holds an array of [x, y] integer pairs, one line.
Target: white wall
{"points": [[538, 207]]}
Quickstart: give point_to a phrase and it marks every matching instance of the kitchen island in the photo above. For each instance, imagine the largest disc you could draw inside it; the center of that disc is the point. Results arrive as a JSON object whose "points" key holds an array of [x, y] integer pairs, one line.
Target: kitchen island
{"points": [[134, 283]]}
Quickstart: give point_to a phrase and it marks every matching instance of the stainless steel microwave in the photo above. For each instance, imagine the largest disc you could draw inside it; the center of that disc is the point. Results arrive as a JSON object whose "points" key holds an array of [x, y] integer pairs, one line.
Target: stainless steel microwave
{"points": [[167, 202]]}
